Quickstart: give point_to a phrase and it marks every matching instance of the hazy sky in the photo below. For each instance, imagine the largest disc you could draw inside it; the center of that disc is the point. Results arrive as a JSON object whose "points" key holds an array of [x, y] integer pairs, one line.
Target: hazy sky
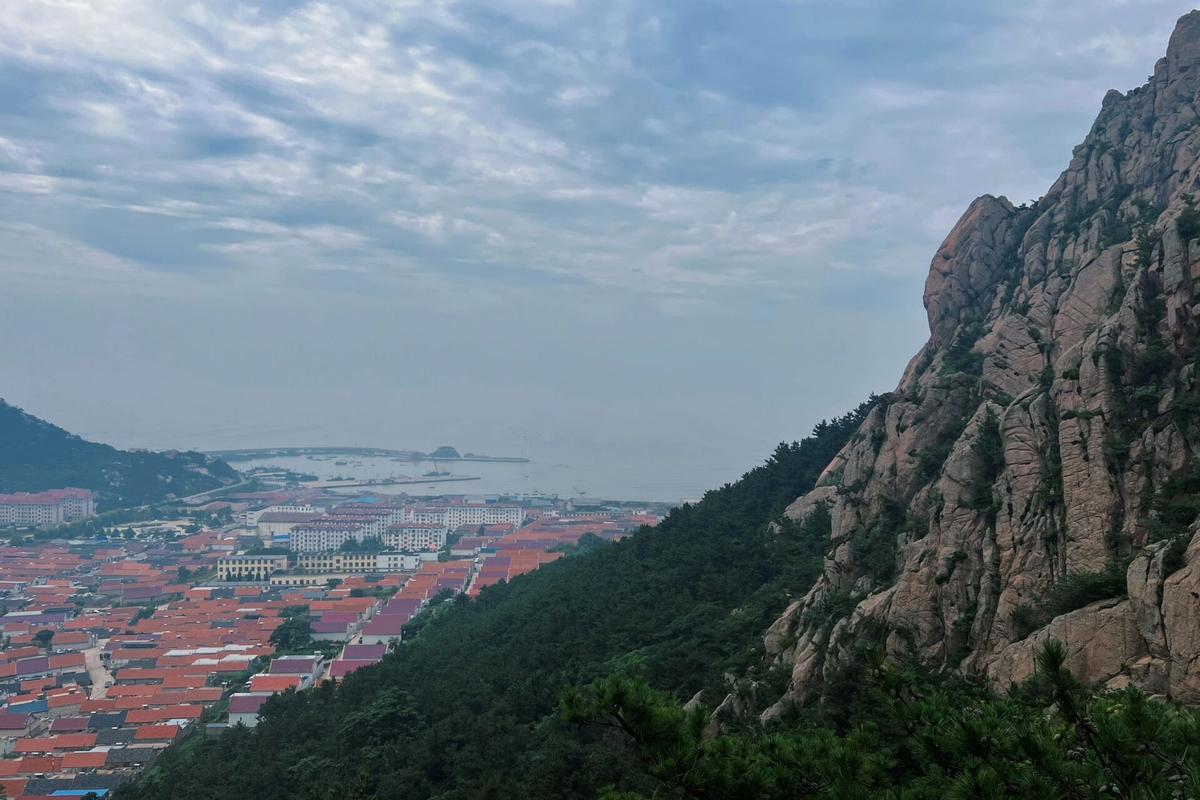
{"points": [[669, 233]]}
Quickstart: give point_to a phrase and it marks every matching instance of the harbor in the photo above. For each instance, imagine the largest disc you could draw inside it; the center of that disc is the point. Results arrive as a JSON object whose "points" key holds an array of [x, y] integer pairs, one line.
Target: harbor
{"points": [[356, 483]]}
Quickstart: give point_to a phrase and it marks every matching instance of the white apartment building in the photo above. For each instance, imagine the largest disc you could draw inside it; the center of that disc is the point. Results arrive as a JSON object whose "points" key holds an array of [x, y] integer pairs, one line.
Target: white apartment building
{"points": [[253, 517], [452, 516], [295, 508], [371, 525], [416, 536], [397, 562], [415, 528], [330, 531], [314, 537], [276, 523], [357, 563], [46, 508], [386, 515]]}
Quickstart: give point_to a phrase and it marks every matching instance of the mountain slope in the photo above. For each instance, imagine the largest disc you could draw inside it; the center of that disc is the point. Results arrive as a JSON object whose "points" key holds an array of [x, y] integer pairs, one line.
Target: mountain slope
{"points": [[36, 455], [1032, 476], [1029, 479], [466, 709]]}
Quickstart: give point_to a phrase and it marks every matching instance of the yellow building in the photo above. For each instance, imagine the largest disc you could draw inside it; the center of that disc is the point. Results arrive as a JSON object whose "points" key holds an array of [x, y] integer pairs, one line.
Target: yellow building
{"points": [[305, 578], [337, 562], [250, 568]]}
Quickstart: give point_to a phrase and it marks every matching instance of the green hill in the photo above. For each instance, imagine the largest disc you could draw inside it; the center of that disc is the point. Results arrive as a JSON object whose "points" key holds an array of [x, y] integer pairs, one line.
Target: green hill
{"points": [[36, 455], [467, 708], [570, 683]]}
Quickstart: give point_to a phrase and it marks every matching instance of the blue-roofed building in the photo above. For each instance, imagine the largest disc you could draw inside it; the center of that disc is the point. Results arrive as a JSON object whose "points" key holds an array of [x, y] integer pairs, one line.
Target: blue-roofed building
{"points": [[29, 707]]}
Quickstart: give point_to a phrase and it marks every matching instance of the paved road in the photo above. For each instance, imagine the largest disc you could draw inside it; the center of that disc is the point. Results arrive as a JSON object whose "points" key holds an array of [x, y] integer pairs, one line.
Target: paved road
{"points": [[96, 671], [218, 490]]}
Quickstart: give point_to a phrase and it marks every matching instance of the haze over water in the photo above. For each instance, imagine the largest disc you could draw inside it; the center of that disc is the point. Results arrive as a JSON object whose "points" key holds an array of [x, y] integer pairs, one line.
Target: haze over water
{"points": [[599, 475]]}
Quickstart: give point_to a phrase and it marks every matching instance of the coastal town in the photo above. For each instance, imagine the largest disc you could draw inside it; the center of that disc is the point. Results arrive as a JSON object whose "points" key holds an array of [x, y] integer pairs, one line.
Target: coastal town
{"points": [[120, 643]]}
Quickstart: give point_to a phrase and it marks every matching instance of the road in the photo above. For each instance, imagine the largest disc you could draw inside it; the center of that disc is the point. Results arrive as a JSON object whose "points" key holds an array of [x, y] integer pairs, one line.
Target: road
{"points": [[193, 497], [189, 500], [100, 676]]}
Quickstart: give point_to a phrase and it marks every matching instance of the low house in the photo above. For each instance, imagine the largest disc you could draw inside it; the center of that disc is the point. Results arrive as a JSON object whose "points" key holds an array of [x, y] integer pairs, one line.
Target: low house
{"points": [[103, 720], [274, 683], [84, 760], [131, 756], [364, 651], [158, 733], [72, 641], [12, 728], [331, 630], [244, 708], [343, 667], [113, 737], [384, 629], [69, 725], [306, 667]]}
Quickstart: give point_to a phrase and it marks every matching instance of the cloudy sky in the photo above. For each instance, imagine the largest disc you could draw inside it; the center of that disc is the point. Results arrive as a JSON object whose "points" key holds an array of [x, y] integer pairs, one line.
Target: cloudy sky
{"points": [[650, 236]]}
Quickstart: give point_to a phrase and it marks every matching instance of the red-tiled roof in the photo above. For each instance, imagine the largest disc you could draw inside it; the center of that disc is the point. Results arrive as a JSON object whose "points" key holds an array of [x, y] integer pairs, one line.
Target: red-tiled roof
{"points": [[53, 744], [84, 759], [157, 733], [274, 683]]}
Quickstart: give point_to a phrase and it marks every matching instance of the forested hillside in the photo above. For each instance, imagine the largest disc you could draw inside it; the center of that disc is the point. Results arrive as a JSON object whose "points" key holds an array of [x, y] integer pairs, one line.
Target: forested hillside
{"points": [[571, 682], [468, 708], [36, 455]]}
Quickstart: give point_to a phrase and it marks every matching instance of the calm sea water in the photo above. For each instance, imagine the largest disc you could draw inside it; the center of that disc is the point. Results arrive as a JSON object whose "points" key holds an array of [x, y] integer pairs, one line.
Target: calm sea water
{"points": [[627, 480]]}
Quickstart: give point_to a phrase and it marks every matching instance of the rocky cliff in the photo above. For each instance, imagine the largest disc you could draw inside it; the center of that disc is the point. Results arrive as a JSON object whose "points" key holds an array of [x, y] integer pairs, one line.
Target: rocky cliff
{"points": [[1032, 476]]}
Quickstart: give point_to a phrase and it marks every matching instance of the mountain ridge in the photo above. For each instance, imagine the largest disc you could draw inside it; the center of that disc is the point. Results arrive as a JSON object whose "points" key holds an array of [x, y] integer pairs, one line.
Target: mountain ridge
{"points": [[36, 455], [1024, 480]]}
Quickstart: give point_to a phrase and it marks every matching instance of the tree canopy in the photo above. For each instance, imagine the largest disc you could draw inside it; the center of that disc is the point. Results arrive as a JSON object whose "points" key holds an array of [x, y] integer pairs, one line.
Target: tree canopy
{"points": [[471, 698], [36, 455]]}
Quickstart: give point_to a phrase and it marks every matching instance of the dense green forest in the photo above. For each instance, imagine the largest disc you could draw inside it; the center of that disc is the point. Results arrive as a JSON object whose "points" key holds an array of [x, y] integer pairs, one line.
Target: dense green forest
{"points": [[36, 455], [913, 735], [468, 707], [571, 682]]}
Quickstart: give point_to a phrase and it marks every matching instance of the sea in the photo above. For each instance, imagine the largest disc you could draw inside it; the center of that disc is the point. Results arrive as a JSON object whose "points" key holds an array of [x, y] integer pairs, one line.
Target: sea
{"points": [[627, 481]]}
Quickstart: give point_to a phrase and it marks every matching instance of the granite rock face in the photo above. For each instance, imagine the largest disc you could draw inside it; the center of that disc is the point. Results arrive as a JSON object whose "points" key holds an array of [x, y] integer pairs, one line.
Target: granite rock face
{"points": [[1023, 451]]}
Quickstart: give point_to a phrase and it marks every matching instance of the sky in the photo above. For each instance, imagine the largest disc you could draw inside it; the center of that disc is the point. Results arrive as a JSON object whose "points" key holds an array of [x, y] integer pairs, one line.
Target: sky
{"points": [[653, 237]]}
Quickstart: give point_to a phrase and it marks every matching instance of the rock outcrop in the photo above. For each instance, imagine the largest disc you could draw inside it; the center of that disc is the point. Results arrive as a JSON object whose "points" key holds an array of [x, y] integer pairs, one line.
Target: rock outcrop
{"points": [[1033, 474]]}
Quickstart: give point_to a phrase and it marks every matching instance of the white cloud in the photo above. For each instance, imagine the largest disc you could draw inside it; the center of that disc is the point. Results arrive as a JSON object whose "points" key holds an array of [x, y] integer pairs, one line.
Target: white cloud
{"points": [[601, 205], [562, 138], [26, 184], [18, 157]]}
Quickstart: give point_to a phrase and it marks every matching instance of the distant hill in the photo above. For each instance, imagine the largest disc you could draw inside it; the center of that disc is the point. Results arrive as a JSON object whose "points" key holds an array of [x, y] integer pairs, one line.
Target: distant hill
{"points": [[36, 455]]}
